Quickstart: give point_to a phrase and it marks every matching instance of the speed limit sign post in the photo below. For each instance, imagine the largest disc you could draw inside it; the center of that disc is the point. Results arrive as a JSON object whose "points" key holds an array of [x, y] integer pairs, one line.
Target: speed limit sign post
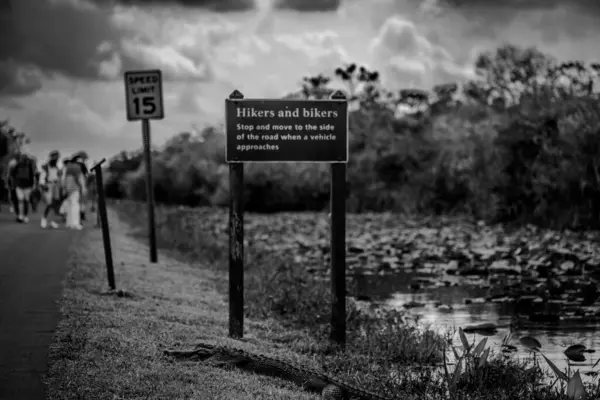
{"points": [[144, 101]]}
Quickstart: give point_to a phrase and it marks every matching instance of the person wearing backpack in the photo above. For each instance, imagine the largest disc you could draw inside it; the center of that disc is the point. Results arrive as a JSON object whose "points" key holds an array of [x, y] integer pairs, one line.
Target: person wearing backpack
{"points": [[22, 171]]}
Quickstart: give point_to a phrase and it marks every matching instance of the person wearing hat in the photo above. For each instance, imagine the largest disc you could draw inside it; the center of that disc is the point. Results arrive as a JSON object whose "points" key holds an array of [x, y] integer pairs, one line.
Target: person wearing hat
{"points": [[50, 184], [74, 184]]}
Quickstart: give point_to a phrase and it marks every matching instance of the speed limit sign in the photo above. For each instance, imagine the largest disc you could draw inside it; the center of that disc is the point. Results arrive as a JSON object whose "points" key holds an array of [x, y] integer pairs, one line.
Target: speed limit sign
{"points": [[143, 95], [144, 101]]}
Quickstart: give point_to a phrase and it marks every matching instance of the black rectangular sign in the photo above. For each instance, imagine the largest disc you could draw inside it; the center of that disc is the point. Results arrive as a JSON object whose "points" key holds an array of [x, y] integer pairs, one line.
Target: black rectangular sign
{"points": [[269, 130]]}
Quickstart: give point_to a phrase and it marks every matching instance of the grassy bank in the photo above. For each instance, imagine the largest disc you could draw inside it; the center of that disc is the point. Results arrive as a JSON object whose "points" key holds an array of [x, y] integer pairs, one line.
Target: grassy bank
{"points": [[110, 347]]}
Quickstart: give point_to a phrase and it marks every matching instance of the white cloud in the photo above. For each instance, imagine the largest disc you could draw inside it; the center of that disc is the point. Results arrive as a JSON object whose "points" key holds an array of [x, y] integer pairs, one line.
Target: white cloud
{"points": [[404, 72], [173, 64], [54, 120], [398, 35], [18, 80], [322, 50], [407, 57]]}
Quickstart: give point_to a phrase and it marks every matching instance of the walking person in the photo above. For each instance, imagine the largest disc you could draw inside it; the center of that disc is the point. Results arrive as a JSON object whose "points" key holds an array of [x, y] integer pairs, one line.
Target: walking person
{"points": [[21, 170], [11, 195], [62, 209], [50, 185], [75, 187], [85, 196]]}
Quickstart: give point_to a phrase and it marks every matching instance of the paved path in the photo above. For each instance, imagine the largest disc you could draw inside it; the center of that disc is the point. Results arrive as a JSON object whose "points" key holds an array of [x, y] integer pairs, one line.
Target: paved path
{"points": [[31, 275]]}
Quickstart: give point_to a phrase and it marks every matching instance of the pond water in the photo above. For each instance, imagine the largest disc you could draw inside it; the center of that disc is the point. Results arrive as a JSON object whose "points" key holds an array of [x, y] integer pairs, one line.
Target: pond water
{"points": [[445, 308]]}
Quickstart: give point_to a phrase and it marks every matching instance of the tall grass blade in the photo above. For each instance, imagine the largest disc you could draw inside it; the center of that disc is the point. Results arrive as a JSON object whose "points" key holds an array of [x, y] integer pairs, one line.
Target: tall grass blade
{"points": [[555, 369], [575, 388], [479, 348], [464, 340], [457, 373], [456, 355], [483, 358], [447, 374]]}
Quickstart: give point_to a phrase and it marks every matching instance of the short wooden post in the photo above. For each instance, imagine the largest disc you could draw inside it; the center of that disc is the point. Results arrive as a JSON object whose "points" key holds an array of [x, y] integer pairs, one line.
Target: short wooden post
{"points": [[110, 272]]}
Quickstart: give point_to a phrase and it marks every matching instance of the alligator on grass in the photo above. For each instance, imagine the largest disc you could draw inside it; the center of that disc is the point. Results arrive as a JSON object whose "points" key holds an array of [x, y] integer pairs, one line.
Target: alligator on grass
{"points": [[309, 379]]}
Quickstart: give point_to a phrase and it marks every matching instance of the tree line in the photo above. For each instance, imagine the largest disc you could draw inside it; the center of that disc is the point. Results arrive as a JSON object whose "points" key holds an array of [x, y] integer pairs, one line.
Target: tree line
{"points": [[519, 143]]}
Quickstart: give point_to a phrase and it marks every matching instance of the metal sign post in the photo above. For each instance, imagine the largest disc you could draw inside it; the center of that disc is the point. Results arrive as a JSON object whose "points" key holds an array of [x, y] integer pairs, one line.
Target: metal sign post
{"points": [[144, 101]]}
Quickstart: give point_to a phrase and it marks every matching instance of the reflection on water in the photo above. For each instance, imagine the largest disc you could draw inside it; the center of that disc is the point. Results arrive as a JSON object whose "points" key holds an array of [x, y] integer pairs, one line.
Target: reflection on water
{"points": [[444, 308]]}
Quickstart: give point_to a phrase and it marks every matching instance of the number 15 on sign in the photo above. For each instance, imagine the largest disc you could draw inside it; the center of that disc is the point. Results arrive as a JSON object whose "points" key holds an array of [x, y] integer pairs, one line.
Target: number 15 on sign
{"points": [[143, 95]]}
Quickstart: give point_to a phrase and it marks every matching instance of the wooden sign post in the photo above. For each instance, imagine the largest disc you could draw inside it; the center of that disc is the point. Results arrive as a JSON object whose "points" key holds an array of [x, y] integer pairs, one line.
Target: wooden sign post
{"points": [[144, 98], [268, 130], [103, 217]]}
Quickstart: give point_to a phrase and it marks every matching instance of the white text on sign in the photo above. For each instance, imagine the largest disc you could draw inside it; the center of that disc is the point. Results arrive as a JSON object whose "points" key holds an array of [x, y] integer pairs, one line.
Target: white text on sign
{"points": [[251, 112], [264, 130]]}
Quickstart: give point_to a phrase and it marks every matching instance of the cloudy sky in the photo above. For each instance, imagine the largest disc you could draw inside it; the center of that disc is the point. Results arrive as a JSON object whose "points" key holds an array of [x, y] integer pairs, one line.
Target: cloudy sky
{"points": [[62, 61]]}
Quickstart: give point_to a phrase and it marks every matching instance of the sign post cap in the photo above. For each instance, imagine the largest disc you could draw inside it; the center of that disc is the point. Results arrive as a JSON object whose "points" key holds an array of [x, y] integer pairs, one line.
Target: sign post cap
{"points": [[236, 94], [338, 95], [99, 163]]}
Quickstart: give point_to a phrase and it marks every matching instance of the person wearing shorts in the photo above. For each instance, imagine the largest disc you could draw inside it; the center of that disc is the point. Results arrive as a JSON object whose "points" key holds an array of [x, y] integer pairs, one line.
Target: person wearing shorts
{"points": [[51, 188], [22, 171]]}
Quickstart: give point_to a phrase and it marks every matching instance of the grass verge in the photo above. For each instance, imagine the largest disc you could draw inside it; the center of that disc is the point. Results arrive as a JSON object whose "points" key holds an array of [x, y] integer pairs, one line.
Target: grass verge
{"points": [[110, 347]]}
